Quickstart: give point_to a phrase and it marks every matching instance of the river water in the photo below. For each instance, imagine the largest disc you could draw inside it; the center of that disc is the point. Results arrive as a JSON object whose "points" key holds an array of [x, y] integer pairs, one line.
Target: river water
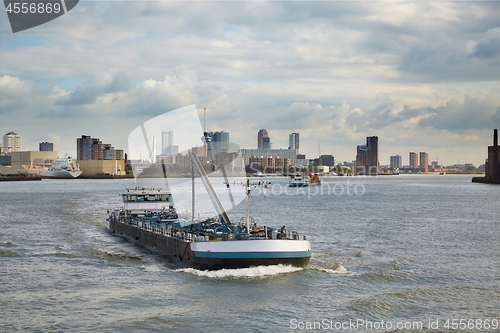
{"points": [[407, 253]]}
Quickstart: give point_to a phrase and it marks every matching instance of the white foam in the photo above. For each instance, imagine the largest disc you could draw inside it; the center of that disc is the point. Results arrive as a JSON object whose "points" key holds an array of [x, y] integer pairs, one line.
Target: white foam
{"points": [[152, 268], [339, 269], [252, 272]]}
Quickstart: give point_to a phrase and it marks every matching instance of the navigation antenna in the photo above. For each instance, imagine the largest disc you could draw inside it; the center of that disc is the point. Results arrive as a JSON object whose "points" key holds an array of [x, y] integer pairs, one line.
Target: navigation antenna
{"points": [[204, 120]]}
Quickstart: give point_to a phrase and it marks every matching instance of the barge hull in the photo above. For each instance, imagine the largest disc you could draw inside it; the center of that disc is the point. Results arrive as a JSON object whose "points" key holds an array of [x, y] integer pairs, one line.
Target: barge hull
{"points": [[179, 251]]}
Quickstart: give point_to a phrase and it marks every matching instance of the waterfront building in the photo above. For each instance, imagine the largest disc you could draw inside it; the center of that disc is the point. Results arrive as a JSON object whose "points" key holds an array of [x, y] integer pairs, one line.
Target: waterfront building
{"points": [[102, 167], [260, 140], [324, 160], [46, 146], [11, 142], [220, 142], [424, 162], [396, 162], [281, 153], [95, 157], [293, 141], [263, 163], [361, 160], [372, 155], [88, 148], [493, 163], [30, 158], [413, 161]]}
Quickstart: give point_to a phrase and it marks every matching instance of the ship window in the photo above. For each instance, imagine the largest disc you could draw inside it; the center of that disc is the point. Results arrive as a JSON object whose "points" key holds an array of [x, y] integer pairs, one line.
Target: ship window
{"points": [[133, 198]]}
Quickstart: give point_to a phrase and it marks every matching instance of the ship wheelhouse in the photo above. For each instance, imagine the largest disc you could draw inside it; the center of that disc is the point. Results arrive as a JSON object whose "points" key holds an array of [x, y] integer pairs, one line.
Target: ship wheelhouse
{"points": [[146, 200]]}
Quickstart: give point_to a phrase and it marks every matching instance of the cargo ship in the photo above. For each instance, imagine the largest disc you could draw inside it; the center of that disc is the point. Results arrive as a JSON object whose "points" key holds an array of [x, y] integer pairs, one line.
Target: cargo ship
{"points": [[149, 219], [61, 168]]}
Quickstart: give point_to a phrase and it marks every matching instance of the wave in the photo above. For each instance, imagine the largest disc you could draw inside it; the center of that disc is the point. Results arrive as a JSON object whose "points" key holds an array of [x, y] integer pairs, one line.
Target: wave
{"points": [[252, 272], [338, 269], [152, 268], [6, 253]]}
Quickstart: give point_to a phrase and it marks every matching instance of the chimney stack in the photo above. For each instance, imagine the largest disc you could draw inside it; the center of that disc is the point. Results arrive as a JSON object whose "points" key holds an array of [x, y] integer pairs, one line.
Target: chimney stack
{"points": [[495, 137]]}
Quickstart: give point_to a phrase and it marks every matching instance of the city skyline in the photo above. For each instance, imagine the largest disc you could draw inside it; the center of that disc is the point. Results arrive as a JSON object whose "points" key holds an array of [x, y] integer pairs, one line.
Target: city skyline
{"points": [[221, 143], [421, 76]]}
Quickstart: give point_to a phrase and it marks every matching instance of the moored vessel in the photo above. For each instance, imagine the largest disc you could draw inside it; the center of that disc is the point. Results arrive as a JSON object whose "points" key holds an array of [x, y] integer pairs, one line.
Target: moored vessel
{"points": [[61, 168]]}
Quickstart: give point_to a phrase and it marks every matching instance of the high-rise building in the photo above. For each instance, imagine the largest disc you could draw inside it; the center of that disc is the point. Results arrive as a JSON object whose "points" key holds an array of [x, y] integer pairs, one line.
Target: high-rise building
{"points": [[84, 148], [220, 142], [293, 141], [424, 162], [11, 142], [361, 160], [324, 160], [88, 148], [372, 155], [396, 162], [266, 143], [46, 146], [260, 139], [167, 141], [413, 161]]}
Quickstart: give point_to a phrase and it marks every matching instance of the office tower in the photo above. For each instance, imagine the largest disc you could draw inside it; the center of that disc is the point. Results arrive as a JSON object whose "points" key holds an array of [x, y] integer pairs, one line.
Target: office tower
{"points": [[84, 148], [372, 155], [88, 148], [266, 143], [361, 160], [293, 141], [46, 146], [424, 162], [260, 139], [167, 141], [220, 142], [11, 142], [413, 161], [396, 162], [324, 160]]}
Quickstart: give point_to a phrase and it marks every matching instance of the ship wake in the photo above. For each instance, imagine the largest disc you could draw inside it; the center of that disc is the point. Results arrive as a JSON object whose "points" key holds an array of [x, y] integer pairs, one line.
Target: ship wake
{"points": [[251, 272]]}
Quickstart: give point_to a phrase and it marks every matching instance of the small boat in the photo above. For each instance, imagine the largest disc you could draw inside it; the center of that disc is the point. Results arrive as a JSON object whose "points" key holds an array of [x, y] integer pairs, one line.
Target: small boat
{"points": [[298, 181], [149, 220], [61, 168], [314, 179]]}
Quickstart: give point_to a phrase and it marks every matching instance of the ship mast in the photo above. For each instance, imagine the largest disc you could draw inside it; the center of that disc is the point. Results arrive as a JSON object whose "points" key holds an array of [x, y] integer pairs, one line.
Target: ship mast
{"points": [[247, 208]]}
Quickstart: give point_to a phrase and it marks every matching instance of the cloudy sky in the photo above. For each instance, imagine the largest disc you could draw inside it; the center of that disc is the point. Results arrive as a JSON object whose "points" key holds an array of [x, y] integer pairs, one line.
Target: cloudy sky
{"points": [[422, 76]]}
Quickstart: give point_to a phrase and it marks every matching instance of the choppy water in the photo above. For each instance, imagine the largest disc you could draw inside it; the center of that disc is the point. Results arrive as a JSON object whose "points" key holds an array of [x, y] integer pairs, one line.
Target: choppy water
{"points": [[401, 249]]}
